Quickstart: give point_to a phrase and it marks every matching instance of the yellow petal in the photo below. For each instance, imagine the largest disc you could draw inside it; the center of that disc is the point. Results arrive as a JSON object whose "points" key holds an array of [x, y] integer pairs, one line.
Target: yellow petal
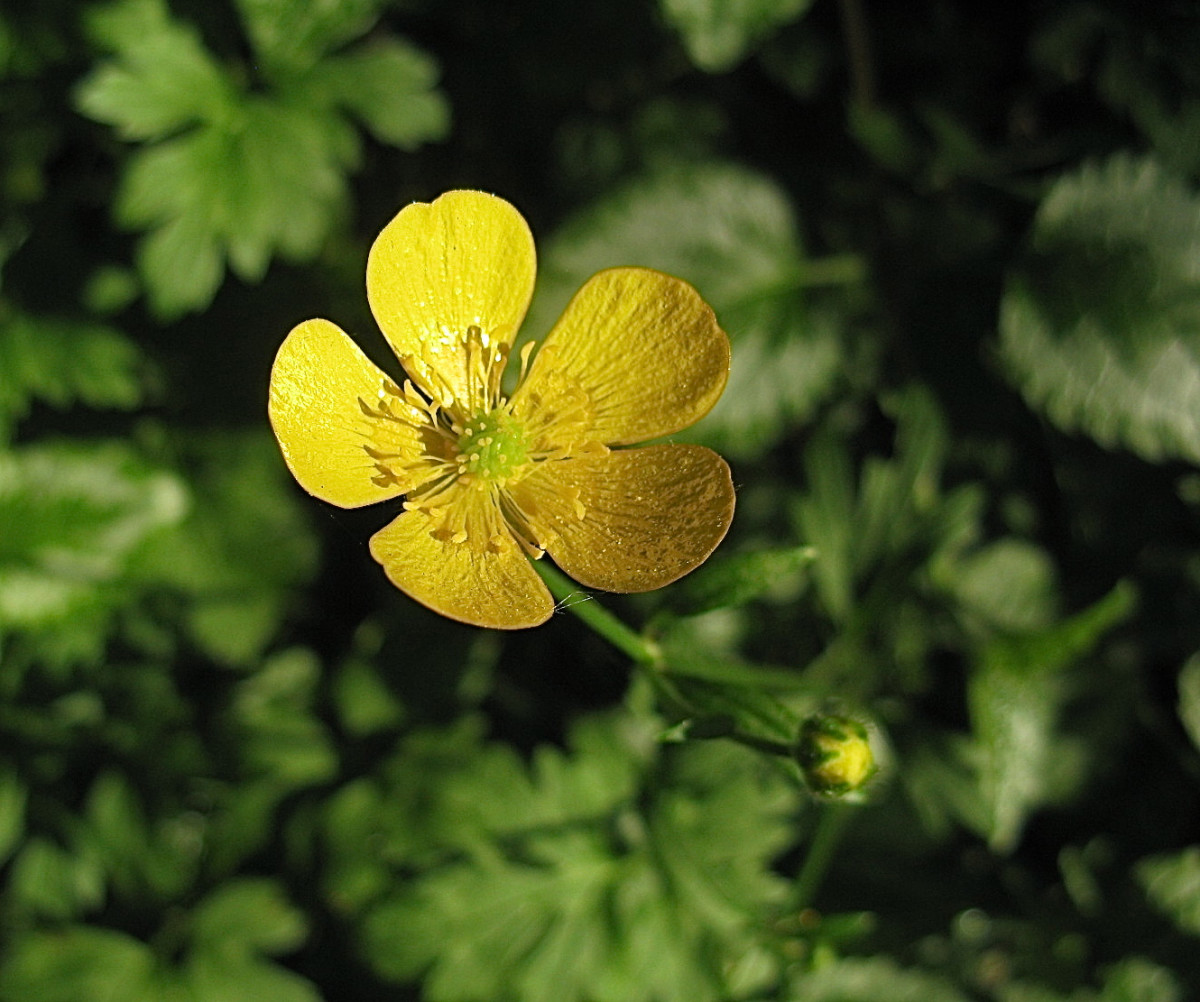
{"points": [[648, 515], [464, 260], [464, 581], [317, 382], [645, 348]]}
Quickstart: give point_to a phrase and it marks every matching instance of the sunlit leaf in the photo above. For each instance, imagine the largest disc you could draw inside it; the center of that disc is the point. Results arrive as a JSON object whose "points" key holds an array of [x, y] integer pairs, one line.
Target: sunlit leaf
{"points": [[80, 964], [1015, 695], [61, 362], [718, 33], [1172, 883], [1100, 327]]}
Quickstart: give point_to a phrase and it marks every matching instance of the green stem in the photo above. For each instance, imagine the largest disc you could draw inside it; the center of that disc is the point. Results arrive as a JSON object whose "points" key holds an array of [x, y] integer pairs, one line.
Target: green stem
{"points": [[830, 827], [571, 596]]}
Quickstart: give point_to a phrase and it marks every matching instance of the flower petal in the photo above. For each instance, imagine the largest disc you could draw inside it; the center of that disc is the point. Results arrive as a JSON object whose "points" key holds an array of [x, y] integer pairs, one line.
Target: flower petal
{"points": [[649, 515], [317, 382], [464, 260], [473, 584], [645, 348]]}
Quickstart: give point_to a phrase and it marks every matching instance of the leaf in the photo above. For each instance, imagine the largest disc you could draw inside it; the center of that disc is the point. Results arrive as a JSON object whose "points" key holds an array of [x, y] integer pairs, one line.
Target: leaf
{"points": [[49, 882], [280, 736], [852, 979], [241, 552], [248, 915], [390, 87], [236, 175], [1100, 328], [1172, 883], [292, 35], [267, 178], [734, 580], [718, 33], [1010, 583], [79, 964], [1189, 698], [84, 512], [163, 80], [1136, 979], [731, 233], [63, 362], [13, 796], [1014, 697], [590, 889], [222, 978]]}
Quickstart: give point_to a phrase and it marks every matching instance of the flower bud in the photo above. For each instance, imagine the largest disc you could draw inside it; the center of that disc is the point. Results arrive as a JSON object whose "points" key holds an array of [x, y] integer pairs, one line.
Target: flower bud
{"points": [[835, 755]]}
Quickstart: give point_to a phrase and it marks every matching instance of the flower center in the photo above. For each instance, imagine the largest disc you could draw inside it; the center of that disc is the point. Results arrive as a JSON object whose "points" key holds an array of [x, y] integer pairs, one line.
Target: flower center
{"points": [[493, 446]]}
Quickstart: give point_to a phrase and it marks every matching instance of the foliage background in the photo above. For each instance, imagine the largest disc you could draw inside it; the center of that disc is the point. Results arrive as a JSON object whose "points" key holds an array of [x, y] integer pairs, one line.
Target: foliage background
{"points": [[957, 248]]}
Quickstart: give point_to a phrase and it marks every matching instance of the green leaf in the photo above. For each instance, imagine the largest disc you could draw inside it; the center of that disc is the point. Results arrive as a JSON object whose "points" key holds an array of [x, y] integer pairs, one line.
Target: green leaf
{"points": [[79, 964], [1137, 979], [248, 915], [163, 78], [281, 738], [853, 979], [12, 810], [719, 33], [1014, 697], [85, 512], [1189, 698], [292, 35], [1009, 583], [222, 978], [63, 362], [731, 233], [391, 88], [734, 580], [267, 178], [241, 552], [588, 887], [1100, 328], [1172, 883], [51, 882]]}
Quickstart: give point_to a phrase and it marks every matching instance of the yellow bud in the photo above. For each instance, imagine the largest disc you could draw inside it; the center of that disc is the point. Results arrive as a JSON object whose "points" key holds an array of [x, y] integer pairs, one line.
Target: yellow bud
{"points": [[834, 754]]}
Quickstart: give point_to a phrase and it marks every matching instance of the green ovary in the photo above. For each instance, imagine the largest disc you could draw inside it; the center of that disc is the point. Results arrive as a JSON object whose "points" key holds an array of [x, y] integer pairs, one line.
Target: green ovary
{"points": [[493, 446]]}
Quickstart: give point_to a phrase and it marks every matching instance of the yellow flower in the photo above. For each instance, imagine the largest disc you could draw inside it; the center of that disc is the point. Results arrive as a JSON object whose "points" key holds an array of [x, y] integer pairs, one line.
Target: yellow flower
{"points": [[488, 479]]}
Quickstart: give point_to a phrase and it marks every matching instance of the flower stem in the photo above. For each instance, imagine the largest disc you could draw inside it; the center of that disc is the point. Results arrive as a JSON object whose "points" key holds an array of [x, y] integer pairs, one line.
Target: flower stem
{"points": [[830, 827], [571, 596]]}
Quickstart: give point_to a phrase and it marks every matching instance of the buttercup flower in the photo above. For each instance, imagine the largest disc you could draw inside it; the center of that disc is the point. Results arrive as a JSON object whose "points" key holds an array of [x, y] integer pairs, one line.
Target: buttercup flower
{"points": [[490, 480]]}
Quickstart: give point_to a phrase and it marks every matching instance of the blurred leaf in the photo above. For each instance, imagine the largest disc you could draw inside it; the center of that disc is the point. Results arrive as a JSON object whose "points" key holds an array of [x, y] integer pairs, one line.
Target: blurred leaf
{"points": [[248, 915], [163, 80], [1136, 979], [293, 35], [74, 518], [1010, 583], [48, 881], [602, 894], [1014, 697], [62, 362], [718, 33], [1101, 327], [80, 964], [365, 704], [852, 979], [12, 810], [1172, 883], [731, 233], [238, 175], [1189, 698], [281, 738], [390, 87], [235, 979], [241, 551], [266, 179], [734, 580]]}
